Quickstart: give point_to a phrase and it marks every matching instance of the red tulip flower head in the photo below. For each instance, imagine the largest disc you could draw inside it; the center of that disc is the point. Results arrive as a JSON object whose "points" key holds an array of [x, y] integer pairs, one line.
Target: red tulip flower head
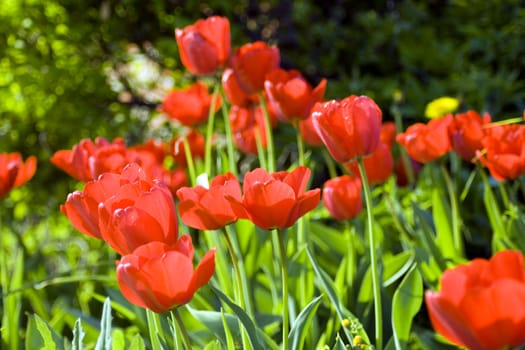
{"points": [[139, 211], [349, 128], [481, 305], [205, 45], [160, 277], [189, 106], [308, 132], [234, 93], [388, 134], [251, 62], [248, 123], [291, 95], [504, 153], [196, 143], [277, 200], [14, 172], [467, 132], [342, 197], [211, 208], [427, 142], [378, 166]]}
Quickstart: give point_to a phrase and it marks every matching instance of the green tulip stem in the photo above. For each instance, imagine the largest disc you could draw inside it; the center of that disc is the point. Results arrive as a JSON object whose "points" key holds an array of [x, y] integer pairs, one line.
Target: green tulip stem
{"points": [[179, 324], [236, 266], [229, 139], [189, 161], [300, 143], [373, 258], [209, 131], [407, 164], [269, 135], [284, 276]]}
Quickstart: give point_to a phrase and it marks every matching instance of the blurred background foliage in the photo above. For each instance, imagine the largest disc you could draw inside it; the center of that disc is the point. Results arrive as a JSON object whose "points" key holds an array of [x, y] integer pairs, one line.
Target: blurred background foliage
{"points": [[75, 69]]}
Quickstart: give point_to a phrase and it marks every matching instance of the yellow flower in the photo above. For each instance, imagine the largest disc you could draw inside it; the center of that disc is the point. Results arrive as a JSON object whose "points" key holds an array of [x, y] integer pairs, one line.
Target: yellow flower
{"points": [[441, 106]]}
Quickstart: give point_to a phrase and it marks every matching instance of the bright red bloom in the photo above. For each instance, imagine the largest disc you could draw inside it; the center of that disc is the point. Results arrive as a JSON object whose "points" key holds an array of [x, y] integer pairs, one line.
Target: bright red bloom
{"points": [[378, 166], [189, 106], [14, 172], [235, 94], [279, 199], [251, 62], [291, 95], [205, 45], [196, 143], [504, 153], [211, 208], [160, 277], [481, 305], [349, 128], [466, 133], [246, 123], [427, 142], [342, 197], [138, 211]]}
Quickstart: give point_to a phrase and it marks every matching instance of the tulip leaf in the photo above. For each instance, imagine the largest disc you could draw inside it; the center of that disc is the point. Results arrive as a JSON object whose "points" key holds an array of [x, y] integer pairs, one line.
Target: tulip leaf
{"points": [[40, 335], [218, 322], [104, 339], [339, 345], [78, 336], [396, 266], [443, 222], [249, 325], [228, 335], [302, 322], [137, 343], [427, 236], [499, 239], [406, 303], [328, 287]]}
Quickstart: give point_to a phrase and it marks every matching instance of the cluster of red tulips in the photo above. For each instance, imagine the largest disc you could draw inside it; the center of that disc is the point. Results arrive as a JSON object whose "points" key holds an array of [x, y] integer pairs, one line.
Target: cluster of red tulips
{"points": [[129, 195]]}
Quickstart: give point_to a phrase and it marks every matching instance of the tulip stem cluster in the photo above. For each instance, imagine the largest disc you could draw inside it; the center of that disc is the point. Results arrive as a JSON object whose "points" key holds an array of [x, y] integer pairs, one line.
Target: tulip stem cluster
{"points": [[373, 258]]}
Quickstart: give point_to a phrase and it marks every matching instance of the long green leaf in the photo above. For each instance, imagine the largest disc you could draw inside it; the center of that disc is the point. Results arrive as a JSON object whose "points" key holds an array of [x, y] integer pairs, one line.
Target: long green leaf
{"points": [[328, 287], [104, 339], [302, 323], [249, 325], [40, 335], [78, 336], [405, 305]]}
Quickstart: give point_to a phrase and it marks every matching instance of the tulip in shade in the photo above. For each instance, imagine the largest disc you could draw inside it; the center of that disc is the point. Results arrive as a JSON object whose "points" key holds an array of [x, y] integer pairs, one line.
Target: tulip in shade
{"points": [[427, 142], [248, 123], [308, 132], [14, 172], [481, 305], [388, 134], [251, 62], [291, 95], [278, 200], [196, 143], [467, 132], [214, 207], [349, 128], [189, 106], [205, 45], [138, 212], [160, 277], [342, 197], [234, 93], [378, 166], [504, 154]]}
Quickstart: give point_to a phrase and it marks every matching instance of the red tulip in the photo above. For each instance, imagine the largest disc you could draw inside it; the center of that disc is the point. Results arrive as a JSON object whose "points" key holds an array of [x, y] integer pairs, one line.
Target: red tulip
{"points": [[139, 211], [308, 132], [481, 305], [401, 174], [427, 142], [211, 208], [160, 277], [378, 166], [251, 62], [504, 153], [279, 199], [189, 106], [388, 134], [14, 172], [349, 128], [342, 197], [205, 45], [291, 95], [467, 132], [246, 123], [235, 94]]}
